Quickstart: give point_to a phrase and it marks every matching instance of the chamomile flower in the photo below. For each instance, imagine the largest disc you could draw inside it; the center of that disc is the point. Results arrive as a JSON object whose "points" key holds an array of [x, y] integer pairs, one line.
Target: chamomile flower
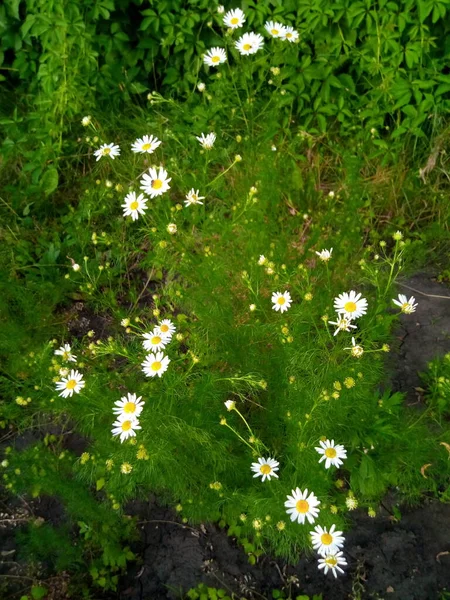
{"points": [[289, 34], [165, 328], [351, 304], [155, 364], [193, 197], [66, 353], [234, 18], [407, 306], [85, 121], [111, 150], [201, 86], [301, 506], [134, 205], [156, 182], [70, 384], [153, 341], [343, 323], [125, 426], [265, 468], [325, 255], [281, 302], [207, 141], [333, 563], [356, 350], [214, 57], [230, 405], [129, 405], [249, 43], [145, 145], [276, 30], [331, 453], [327, 542]]}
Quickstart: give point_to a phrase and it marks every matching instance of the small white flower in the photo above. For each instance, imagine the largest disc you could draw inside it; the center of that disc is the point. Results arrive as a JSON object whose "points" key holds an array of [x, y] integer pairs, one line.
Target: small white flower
{"points": [[351, 502], [262, 260], [325, 255], [343, 323], [356, 350], [155, 364], [220, 9], [230, 404], [265, 468], [302, 506], [331, 453], [125, 322], [111, 150], [156, 182], [234, 18], [125, 426], [129, 405], [64, 372], [249, 43], [407, 306], [276, 30], [193, 197], [331, 194], [66, 353], [207, 141], [281, 302], [214, 57], [252, 307], [154, 341], [333, 563], [165, 328], [273, 148], [351, 304], [398, 235], [76, 267], [145, 145], [327, 542], [289, 34], [70, 384], [85, 121], [201, 86], [134, 205], [172, 228]]}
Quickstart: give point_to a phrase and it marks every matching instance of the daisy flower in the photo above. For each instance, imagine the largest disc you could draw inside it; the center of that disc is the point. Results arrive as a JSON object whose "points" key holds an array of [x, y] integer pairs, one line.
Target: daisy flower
{"points": [[214, 57], [70, 384], [125, 426], [327, 542], [192, 197], [66, 353], [276, 30], [249, 43], [265, 468], [289, 34], [165, 328], [351, 304], [234, 18], [145, 145], [343, 323], [301, 505], [134, 205], [356, 350], [110, 150], [230, 404], [156, 183], [207, 141], [201, 86], [129, 405], [281, 302], [325, 255], [85, 121], [407, 306], [155, 364], [333, 563], [331, 453], [153, 341]]}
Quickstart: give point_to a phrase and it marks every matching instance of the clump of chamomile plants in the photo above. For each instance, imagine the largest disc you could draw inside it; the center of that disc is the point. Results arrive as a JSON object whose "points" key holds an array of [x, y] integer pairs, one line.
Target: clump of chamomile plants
{"points": [[242, 384]]}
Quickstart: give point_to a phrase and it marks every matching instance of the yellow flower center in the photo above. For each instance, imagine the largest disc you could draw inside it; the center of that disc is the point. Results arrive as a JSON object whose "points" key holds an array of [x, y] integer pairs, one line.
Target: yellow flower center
{"points": [[330, 453], [302, 506], [157, 184], [326, 539], [106, 150], [331, 561], [146, 146], [350, 307], [215, 59], [234, 21], [275, 31], [281, 300], [126, 426], [66, 355], [129, 407], [265, 469], [134, 205], [156, 366], [247, 47], [289, 35], [71, 384], [156, 340], [164, 328]]}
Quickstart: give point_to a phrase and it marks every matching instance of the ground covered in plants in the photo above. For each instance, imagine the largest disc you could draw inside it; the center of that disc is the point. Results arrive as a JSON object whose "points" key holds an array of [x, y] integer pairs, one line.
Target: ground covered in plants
{"points": [[225, 356]]}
